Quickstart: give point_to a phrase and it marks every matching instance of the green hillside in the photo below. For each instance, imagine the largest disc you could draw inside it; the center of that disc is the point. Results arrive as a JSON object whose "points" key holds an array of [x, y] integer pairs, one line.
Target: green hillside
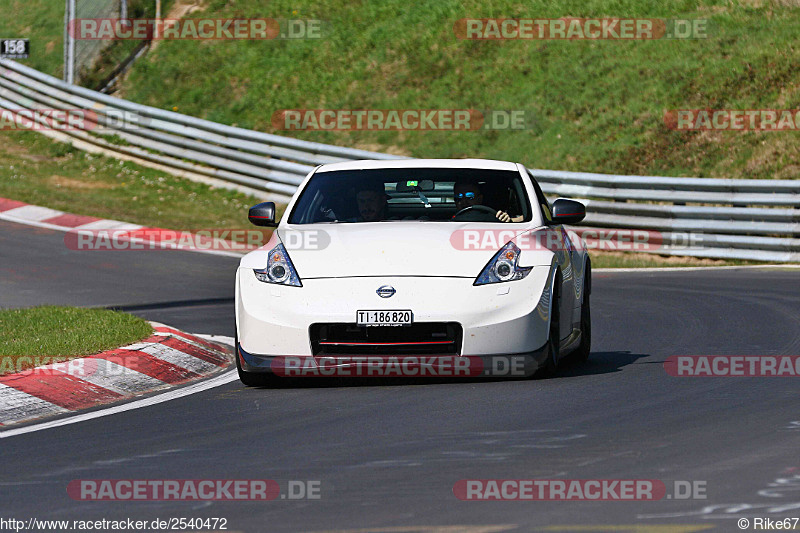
{"points": [[41, 21], [597, 105]]}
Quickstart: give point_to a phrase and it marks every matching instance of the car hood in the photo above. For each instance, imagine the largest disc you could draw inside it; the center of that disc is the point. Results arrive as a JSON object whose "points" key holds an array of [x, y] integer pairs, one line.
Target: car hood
{"points": [[396, 248]]}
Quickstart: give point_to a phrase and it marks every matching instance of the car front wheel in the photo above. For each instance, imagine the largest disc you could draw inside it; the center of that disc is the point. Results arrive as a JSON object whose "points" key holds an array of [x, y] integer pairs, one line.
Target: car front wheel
{"points": [[582, 353], [553, 342]]}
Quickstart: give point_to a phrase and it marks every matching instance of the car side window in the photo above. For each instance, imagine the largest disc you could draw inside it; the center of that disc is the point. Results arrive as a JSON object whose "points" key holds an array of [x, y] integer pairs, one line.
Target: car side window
{"points": [[542, 200]]}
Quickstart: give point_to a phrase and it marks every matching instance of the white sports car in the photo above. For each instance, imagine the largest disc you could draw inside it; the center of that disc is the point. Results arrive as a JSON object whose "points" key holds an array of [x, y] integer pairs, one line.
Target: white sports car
{"points": [[444, 260]]}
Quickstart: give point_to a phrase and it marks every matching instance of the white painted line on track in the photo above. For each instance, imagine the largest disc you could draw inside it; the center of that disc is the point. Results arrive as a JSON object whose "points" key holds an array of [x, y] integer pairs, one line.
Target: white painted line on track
{"points": [[201, 386]]}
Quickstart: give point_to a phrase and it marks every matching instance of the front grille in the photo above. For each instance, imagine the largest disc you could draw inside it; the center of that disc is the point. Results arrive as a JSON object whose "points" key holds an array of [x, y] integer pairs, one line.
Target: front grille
{"points": [[423, 338]]}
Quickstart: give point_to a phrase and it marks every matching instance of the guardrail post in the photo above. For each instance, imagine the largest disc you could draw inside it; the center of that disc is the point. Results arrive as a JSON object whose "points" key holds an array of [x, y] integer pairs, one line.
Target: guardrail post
{"points": [[69, 42]]}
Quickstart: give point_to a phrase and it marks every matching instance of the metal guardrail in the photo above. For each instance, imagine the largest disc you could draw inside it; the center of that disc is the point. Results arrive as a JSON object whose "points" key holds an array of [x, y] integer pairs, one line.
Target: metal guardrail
{"points": [[723, 218], [173, 141]]}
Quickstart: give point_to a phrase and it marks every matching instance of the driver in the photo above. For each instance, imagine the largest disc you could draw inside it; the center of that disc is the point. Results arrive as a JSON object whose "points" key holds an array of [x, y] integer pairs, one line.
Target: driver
{"points": [[372, 202], [468, 194]]}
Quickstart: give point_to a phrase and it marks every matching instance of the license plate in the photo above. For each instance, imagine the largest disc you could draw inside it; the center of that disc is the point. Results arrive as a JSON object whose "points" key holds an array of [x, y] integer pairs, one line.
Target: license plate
{"points": [[384, 317]]}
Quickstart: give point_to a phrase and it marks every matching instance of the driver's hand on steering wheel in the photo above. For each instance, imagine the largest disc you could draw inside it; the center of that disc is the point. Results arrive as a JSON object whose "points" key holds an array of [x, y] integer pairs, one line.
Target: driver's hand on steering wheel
{"points": [[502, 216]]}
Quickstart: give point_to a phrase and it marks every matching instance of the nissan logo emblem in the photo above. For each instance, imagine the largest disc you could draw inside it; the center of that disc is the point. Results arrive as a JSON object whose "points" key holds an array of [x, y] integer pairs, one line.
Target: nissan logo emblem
{"points": [[387, 291]]}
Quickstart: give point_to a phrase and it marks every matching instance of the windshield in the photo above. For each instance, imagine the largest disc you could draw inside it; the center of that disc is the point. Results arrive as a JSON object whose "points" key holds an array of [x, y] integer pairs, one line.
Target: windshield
{"points": [[423, 194]]}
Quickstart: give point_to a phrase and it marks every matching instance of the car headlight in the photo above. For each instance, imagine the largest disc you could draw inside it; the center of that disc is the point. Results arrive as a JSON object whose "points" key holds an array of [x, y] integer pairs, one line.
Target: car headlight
{"points": [[503, 267], [280, 269]]}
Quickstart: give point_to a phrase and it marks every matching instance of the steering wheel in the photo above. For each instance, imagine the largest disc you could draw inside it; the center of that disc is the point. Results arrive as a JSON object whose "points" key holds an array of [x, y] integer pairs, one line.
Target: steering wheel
{"points": [[476, 213]]}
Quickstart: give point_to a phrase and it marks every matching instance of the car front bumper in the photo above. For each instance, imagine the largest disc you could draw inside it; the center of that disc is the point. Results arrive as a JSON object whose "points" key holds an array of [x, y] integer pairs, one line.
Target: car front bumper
{"points": [[496, 320]]}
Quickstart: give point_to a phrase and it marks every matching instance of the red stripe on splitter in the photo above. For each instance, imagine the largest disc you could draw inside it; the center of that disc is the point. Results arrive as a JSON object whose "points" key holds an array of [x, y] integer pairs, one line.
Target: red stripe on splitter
{"points": [[195, 351], [147, 364], [71, 221], [329, 343], [60, 389], [6, 204]]}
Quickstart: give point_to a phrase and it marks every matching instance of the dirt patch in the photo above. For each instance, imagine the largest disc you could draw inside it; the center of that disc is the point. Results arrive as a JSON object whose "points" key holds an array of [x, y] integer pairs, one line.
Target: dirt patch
{"points": [[774, 157], [179, 9], [184, 7], [70, 183], [238, 88], [14, 149]]}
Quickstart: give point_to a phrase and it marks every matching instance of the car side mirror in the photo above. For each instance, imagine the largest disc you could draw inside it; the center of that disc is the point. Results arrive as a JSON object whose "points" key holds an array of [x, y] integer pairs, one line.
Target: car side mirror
{"points": [[567, 212], [262, 214]]}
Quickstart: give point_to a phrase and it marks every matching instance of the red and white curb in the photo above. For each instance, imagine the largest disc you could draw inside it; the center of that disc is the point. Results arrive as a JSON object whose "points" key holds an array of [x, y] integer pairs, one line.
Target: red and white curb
{"points": [[168, 357], [44, 217]]}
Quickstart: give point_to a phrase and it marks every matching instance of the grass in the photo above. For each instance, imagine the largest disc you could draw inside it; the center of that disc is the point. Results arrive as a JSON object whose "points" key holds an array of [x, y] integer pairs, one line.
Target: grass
{"points": [[597, 105], [42, 21], [36, 170], [41, 335], [118, 51]]}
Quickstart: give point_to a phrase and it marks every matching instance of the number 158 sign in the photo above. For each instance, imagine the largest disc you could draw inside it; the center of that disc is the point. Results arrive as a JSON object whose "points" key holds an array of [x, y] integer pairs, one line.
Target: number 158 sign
{"points": [[14, 48]]}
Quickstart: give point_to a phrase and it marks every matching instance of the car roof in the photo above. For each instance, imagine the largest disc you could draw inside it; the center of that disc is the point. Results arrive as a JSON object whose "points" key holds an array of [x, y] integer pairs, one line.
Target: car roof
{"points": [[368, 164]]}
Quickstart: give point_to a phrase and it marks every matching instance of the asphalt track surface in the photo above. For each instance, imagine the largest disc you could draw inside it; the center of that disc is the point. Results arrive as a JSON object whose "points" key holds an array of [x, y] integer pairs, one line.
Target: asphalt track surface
{"points": [[388, 454]]}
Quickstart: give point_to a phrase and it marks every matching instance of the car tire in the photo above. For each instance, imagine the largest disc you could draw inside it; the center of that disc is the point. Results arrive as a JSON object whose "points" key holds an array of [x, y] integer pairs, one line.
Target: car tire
{"points": [[553, 342], [585, 347]]}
